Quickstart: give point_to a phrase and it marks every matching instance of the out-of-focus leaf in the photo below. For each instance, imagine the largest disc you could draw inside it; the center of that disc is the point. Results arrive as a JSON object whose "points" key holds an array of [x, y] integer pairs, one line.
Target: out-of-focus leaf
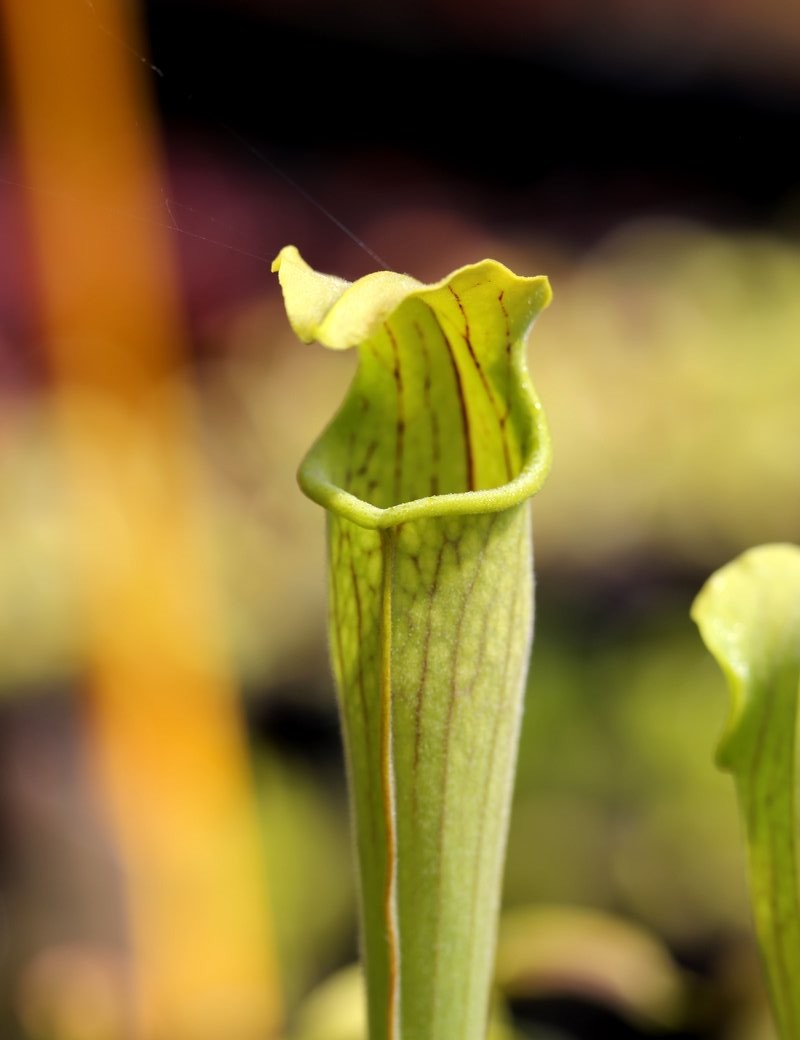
{"points": [[336, 1010], [311, 888], [669, 342], [564, 950], [615, 778], [748, 613]]}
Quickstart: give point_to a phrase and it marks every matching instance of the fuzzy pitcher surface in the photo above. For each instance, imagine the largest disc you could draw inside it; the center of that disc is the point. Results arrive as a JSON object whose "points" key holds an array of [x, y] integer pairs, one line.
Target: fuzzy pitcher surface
{"points": [[426, 473]]}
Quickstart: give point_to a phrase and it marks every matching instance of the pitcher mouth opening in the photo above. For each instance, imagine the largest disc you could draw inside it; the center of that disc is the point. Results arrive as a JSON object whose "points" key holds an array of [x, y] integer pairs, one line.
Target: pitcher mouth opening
{"points": [[441, 417], [316, 484]]}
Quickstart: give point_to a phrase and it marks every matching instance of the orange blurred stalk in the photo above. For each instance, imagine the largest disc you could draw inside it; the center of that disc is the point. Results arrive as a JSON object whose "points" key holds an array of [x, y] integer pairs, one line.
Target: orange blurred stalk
{"points": [[165, 730]]}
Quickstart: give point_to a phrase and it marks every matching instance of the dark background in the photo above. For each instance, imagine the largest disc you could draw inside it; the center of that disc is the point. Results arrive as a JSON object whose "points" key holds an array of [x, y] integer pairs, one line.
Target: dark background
{"points": [[644, 156]]}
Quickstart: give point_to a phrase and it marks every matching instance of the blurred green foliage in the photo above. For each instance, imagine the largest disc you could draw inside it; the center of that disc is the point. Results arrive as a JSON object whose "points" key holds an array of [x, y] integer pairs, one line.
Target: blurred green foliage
{"points": [[617, 786], [668, 367]]}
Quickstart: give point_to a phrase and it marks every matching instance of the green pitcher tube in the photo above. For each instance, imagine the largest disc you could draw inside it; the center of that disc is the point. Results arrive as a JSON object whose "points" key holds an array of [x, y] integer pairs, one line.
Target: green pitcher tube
{"points": [[426, 473]]}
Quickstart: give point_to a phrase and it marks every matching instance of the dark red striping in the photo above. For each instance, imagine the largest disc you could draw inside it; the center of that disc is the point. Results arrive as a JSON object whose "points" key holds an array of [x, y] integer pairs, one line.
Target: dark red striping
{"points": [[372, 447], [401, 425], [484, 638], [436, 450], [336, 555], [451, 709], [420, 694], [388, 541], [490, 521], [360, 635], [338, 622], [486, 384], [499, 713], [509, 372], [377, 355], [470, 462], [413, 558]]}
